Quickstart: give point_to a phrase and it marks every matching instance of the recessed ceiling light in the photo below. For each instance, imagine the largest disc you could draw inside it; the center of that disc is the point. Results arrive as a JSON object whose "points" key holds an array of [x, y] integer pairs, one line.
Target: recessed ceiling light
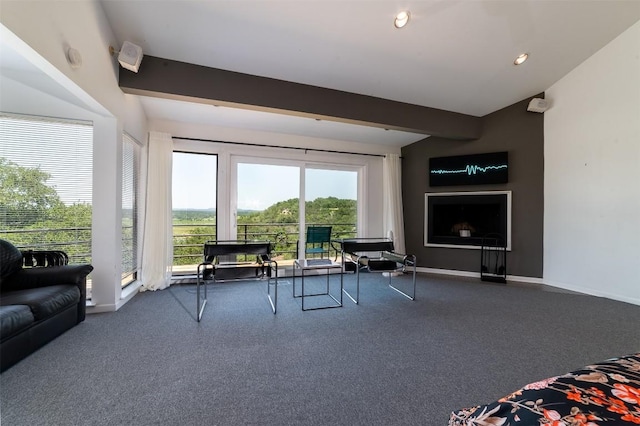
{"points": [[401, 19], [520, 59]]}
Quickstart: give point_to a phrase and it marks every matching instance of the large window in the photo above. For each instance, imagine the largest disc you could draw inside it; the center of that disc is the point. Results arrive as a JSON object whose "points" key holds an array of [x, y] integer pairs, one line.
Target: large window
{"points": [[130, 170], [194, 199], [46, 184]]}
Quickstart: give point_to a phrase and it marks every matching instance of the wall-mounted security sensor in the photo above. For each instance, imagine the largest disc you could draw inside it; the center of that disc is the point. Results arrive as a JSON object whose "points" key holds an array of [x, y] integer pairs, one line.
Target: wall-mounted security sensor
{"points": [[74, 58], [130, 56], [538, 105]]}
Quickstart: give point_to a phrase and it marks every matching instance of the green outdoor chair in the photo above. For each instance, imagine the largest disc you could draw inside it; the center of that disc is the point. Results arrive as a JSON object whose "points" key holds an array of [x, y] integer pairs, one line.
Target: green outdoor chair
{"points": [[318, 241]]}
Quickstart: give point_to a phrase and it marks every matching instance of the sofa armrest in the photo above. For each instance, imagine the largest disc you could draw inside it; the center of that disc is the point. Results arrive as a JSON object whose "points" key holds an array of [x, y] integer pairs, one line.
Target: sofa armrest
{"points": [[42, 277]]}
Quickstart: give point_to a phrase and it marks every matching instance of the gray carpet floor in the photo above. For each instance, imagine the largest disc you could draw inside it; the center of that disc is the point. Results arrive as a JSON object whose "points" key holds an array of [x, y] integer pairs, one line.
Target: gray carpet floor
{"points": [[386, 361]]}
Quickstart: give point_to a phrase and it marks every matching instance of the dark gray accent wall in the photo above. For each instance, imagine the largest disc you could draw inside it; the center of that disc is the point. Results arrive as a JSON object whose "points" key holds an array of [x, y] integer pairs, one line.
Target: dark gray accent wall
{"points": [[511, 129], [158, 77]]}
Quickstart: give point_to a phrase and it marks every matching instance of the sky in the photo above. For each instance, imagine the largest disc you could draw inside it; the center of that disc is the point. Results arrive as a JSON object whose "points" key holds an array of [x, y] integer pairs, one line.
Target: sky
{"points": [[259, 186]]}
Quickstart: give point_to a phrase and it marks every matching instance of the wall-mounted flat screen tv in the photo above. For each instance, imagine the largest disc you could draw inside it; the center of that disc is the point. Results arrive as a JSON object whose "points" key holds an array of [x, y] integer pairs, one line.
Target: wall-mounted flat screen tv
{"points": [[476, 169]]}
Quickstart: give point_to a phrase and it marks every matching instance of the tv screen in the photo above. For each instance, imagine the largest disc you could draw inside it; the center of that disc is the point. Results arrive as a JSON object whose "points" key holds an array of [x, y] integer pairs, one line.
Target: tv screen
{"points": [[476, 169]]}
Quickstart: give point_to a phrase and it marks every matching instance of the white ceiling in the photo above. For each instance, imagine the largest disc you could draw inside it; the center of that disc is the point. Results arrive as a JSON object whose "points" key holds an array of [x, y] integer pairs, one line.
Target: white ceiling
{"points": [[455, 55]]}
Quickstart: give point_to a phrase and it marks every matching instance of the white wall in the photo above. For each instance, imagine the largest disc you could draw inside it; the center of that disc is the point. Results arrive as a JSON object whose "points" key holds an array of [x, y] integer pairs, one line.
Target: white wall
{"points": [[41, 31], [50, 27], [592, 174], [19, 98]]}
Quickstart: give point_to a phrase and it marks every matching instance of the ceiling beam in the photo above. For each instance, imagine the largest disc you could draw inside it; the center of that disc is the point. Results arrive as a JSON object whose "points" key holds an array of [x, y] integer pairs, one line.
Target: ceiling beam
{"points": [[165, 78]]}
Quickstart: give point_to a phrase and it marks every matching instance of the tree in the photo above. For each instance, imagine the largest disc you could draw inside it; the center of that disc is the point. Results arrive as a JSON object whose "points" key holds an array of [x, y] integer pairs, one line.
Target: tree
{"points": [[25, 198], [187, 249], [28, 203], [279, 222]]}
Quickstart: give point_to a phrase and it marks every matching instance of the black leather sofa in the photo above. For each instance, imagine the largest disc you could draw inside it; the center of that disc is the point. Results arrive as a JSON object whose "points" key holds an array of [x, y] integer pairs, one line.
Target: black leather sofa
{"points": [[38, 303]]}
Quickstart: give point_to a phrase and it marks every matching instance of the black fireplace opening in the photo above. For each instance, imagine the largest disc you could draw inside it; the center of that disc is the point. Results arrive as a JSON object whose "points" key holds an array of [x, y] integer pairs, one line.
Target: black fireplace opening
{"points": [[465, 219]]}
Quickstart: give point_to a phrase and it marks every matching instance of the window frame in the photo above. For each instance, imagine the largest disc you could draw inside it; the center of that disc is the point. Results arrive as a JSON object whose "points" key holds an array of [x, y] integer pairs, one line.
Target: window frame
{"points": [[181, 272], [130, 275], [77, 160]]}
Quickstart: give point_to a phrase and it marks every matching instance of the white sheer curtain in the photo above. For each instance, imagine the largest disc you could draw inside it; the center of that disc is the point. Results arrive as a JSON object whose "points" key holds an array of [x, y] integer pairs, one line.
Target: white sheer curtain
{"points": [[157, 248], [392, 193]]}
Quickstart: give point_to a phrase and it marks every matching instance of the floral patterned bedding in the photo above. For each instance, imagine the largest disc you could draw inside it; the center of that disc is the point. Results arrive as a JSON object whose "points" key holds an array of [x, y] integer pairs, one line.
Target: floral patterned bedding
{"points": [[606, 393]]}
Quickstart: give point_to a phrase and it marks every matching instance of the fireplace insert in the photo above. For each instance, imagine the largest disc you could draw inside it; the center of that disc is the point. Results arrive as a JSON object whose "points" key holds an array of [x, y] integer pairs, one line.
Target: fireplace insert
{"points": [[462, 219]]}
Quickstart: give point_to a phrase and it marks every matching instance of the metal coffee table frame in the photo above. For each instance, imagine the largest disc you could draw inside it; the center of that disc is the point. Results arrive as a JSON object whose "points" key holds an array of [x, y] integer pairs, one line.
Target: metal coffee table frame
{"points": [[317, 265]]}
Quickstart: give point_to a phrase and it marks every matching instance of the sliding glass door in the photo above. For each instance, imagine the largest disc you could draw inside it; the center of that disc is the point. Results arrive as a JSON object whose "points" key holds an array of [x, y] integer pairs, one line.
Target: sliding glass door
{"points": [[331, 201], [331, 198], [267, 203]]}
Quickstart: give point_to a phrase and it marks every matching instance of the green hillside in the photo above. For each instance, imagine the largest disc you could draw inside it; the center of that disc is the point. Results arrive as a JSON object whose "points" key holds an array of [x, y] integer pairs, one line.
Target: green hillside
{"points": [[320, 210]]}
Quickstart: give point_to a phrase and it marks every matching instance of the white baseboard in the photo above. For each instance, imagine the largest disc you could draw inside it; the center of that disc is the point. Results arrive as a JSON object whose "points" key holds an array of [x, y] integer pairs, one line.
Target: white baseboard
{"points": [[471, 274], [131, 290], [99, 309], [534, 280], [593, 292], [452, 272], [127, 294], [528, 280]]}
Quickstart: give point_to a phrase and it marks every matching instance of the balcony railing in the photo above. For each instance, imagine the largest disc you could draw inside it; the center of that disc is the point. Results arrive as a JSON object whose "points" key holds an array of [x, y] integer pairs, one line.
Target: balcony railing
{"points": [[188, 240], [76, 242], [188, 245]]}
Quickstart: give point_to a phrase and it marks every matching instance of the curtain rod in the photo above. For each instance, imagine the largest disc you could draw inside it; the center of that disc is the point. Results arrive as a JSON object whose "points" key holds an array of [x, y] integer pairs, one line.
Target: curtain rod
{"points": [[279, 146]]}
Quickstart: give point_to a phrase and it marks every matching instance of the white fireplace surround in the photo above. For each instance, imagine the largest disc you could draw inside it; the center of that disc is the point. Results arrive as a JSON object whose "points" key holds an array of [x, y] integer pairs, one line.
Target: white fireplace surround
{"points": [[457, 194]]}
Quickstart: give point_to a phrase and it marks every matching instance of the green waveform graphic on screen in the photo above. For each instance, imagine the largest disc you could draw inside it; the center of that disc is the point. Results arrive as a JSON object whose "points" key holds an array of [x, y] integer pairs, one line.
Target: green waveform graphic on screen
{"points": [[470, 169]]}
